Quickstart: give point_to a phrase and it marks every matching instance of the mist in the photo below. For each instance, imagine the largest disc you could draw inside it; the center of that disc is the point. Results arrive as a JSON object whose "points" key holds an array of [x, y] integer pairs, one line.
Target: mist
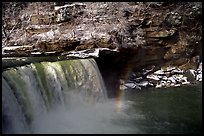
{"points": [[78, 117]]}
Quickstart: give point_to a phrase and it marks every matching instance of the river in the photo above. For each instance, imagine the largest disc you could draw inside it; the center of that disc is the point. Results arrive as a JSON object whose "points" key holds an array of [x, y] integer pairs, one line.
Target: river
{"points": [[49, 98]]}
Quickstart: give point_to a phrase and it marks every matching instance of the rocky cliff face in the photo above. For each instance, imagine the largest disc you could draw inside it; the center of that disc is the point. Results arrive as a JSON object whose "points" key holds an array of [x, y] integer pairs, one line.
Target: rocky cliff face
{"points": [[165, 31], [140, 34]]}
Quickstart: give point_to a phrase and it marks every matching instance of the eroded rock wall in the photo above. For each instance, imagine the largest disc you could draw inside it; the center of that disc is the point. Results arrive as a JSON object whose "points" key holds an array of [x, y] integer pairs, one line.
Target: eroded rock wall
{"points": [[142, 34], [167, 31], [127, 39]]}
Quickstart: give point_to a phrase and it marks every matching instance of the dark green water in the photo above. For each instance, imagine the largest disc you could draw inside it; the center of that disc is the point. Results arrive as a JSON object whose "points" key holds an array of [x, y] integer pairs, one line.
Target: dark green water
{"points": [[152, 111], [167, 110]]}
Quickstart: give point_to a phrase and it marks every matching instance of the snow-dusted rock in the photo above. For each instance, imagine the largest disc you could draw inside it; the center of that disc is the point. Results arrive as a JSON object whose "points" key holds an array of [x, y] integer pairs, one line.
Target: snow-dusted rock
{"points": [[172, 79], [185, 83], [199, 77], [169, 68], [143, 83], [158, 86], [165, 78], [177, 71], [159, 72], [153, 77], [177, 85], [130, 85]]}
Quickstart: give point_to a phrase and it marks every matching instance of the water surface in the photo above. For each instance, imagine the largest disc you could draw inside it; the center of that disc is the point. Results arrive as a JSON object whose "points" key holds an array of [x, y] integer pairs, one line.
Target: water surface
{"points": [[152, 111], [166, 110]]}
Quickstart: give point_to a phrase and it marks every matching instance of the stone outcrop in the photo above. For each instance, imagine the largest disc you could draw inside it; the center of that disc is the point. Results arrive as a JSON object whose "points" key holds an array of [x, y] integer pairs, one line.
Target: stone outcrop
{"points": [[167, 31], [134, 35], [165, 77]]}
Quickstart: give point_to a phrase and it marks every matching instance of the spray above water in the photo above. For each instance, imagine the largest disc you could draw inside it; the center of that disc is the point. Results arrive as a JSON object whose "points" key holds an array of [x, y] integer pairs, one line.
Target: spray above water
{"points": [[81, 119], [57, 97], [69, 97]]}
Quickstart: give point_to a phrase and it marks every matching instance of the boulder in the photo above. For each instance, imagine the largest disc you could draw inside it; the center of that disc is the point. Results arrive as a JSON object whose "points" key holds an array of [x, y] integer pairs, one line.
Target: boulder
{"points": [[130, 85]]}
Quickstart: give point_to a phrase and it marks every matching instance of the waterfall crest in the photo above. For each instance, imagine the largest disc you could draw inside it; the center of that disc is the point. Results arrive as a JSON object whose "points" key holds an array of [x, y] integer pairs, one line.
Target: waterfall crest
{"points": [[32, 90]]}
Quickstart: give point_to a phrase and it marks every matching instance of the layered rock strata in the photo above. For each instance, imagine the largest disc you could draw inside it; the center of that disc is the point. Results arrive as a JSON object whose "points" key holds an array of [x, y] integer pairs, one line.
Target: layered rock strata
{"points": [[170, 31], [130, 36]]}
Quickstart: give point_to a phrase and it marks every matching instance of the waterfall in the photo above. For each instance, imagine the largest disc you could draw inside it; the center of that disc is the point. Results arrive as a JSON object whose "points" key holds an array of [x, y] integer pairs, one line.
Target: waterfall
{"points": [[33, 90]]}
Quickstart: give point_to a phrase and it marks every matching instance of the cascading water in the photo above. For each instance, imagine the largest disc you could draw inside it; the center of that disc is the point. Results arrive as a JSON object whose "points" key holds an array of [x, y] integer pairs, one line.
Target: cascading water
{"points": [[70, 97], [34, 90]]}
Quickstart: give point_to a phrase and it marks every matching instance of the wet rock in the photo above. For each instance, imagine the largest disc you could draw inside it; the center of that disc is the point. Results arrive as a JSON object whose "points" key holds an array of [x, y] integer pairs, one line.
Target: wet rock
{"points": [[130, 85], [143, 84], [134, 85], [169, 76], [148, 70], [159, 72], [199, 77], [185, 82], [176, 85], [153, 77]]}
